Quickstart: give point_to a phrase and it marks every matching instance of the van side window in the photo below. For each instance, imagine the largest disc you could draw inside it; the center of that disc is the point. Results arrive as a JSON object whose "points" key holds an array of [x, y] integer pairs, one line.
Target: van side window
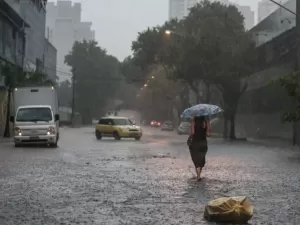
{"points": [[103, 121]]}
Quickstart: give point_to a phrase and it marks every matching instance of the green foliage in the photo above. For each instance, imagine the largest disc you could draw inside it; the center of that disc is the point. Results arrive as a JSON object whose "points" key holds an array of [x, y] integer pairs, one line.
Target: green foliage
{"points": [[157, 99], [96, 75], [210, 45], [64, 92], [131, 72], [146, 46], [291, 84], [15, 77]]}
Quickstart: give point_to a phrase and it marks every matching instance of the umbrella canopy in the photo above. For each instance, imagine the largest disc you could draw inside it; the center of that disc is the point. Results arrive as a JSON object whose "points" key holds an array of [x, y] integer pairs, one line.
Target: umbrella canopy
{"points": [[201, 110]]}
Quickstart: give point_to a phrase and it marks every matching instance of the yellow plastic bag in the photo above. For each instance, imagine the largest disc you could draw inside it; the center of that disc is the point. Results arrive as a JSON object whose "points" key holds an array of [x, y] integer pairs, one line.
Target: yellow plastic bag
{"points": [[229, 209]]}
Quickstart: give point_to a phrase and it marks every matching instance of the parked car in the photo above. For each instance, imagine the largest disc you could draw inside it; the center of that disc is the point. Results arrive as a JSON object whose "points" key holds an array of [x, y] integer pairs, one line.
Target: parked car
{"points": [[154, 123], [184, 128], [167, 126], [117, 127]]}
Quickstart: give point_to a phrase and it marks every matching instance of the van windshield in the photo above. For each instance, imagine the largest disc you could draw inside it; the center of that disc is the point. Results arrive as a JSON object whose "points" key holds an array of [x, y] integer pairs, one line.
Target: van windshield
{"points": [[34, 114]]}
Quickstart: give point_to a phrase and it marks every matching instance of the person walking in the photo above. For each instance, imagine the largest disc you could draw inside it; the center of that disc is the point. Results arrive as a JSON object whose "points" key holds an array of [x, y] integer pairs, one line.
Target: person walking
{"points": [[200, 129]]}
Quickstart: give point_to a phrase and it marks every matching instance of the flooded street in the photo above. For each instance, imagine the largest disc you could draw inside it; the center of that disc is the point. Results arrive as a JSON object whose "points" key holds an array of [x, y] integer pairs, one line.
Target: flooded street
{"points": [[86, 181]]}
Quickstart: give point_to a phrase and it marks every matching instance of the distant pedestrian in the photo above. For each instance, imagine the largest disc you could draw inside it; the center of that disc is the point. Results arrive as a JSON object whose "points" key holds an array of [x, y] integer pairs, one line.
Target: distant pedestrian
{"points": [[200, 129]]}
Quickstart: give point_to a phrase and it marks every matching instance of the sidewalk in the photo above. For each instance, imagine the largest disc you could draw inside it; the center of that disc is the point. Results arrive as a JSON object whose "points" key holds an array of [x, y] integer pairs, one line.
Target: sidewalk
{"points": [[6, 140]]}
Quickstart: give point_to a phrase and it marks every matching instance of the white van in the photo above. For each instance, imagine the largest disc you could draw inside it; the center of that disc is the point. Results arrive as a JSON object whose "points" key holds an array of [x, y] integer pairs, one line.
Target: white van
{"points": [[36, 118]]}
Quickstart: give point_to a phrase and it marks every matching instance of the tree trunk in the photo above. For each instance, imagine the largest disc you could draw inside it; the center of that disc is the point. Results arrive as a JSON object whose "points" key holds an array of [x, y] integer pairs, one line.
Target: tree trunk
{"points": [[7, 123], [232, 135], [225, 128], [294, 133], [207, 93], [198, 98]]}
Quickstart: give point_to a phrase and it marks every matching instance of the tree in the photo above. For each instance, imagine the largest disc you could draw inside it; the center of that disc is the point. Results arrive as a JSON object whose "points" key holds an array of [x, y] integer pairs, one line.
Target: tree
{"points": [[64, 92], [96, 76], [210, 45], [291, 83], [157, 98], [132, 72], [216, 50]]}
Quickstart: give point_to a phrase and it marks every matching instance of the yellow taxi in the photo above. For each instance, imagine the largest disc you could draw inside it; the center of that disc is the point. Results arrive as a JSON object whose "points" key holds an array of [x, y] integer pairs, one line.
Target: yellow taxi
{"points": [[117, 127]]}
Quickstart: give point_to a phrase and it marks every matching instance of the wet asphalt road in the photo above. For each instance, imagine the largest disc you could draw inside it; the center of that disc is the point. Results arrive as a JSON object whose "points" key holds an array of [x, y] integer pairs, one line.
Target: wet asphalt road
{"points": [[86, 181]]}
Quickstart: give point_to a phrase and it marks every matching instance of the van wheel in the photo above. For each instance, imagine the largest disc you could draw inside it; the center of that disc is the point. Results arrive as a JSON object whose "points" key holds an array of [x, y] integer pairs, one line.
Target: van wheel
{"points": [[98, 135], [17, 145], [54, 145], [117, 136], [137, 138]]}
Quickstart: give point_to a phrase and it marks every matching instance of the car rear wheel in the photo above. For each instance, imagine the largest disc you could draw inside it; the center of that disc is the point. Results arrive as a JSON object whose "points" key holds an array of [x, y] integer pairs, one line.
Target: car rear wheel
{"points": [[98, 135], [117, 136], [137, 138]]}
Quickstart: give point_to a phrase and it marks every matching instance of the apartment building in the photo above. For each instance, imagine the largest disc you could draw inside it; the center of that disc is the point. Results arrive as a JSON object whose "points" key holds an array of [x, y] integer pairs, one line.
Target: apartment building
{"points": [[64, 27]]}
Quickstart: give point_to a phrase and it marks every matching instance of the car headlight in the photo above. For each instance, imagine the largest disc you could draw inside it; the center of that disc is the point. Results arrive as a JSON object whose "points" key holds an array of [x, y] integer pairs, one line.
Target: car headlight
{"points": [[51, 131], [18, 131]]}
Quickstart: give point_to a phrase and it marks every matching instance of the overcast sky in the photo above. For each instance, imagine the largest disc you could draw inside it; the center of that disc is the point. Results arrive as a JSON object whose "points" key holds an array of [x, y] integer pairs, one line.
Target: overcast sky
{"points": [[117, 22]]}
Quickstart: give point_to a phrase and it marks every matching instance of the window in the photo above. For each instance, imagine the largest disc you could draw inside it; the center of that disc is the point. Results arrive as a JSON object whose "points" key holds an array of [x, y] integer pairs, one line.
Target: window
{"points": [[122, 122], [34, 114], [1, 35], [8, 41], [103, 122]]}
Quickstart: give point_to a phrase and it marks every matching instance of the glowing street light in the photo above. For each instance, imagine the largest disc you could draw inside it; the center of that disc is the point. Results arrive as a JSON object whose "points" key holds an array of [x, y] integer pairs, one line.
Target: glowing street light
{"points": [[168, 32], [145, 85], [152, 77]]}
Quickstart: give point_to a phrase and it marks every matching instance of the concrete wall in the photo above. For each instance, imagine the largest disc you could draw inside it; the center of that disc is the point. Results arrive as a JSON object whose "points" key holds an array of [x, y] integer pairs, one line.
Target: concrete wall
{"points": [[50, 60]]}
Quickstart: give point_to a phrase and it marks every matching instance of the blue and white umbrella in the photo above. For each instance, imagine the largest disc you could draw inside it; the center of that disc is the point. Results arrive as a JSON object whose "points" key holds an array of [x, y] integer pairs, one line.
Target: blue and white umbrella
{"points": [[201, 110]]}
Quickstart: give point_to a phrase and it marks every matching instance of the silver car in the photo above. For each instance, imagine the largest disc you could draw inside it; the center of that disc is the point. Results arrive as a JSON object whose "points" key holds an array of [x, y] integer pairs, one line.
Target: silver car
{"points": [[184, 128], [167, 126]]}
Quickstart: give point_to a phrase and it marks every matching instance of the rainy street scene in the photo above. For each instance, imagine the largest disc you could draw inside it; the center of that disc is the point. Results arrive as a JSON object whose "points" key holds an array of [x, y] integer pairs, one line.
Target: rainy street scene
{"points": [[161, 112]]}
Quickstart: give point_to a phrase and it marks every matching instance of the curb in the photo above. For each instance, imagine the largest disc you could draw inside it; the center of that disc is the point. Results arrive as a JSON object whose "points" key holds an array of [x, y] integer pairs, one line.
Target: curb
{"points": [[6, 140]]}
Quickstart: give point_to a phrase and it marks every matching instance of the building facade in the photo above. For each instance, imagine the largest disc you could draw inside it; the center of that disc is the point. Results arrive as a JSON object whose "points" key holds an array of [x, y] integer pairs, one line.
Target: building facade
{"points": [[34, 13], [260, 107], [64, 27], [12, 37], [12, 52], [180, 8], [266, 7], [50, 60], [275, 24]]}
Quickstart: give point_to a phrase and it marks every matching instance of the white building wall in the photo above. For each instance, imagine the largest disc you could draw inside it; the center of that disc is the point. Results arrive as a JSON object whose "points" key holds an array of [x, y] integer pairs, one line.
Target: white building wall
{"points": [[64, 27], [180, 8]]}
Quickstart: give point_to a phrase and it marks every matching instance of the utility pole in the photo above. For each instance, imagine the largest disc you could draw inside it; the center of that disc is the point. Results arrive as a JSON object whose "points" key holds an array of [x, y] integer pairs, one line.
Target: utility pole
{"points": [[73, 97], [297, 62]]}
